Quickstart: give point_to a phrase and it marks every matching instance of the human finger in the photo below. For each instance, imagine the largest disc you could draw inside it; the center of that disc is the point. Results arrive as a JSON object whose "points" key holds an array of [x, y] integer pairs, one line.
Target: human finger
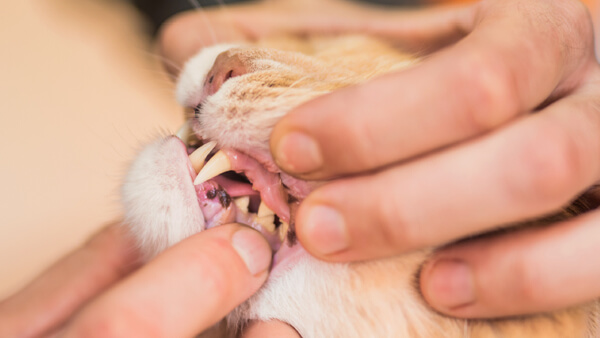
{"points": [[49, 300], [184, 290], [536, 270], [510, 63], [528, 169], [184, 34]]}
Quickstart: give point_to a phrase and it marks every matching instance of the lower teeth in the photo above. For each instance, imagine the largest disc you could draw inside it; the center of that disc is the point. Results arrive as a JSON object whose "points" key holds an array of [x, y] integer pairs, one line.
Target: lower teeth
{"points": [[283, 230], [265, 216], [242, 203]]}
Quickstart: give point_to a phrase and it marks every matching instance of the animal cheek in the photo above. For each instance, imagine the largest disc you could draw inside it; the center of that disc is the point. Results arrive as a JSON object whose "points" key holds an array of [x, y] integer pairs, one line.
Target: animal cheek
{"points": [[226, 66]]}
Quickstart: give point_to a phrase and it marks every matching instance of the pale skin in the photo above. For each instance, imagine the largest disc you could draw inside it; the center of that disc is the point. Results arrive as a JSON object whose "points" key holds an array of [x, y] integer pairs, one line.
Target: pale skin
{"points": [[461, 142], [101, 289], [447, 149]]}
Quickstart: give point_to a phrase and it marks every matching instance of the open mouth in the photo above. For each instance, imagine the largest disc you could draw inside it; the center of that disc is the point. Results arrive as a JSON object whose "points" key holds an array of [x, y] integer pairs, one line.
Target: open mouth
{"points": [[232, 186]]}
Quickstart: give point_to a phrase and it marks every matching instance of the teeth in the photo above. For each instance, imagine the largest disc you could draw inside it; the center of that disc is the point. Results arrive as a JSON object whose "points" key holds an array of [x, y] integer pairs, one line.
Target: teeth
{"points": [[283, 230], [184, 132], [268, 222], [217, 165], [263, 210], [199, 155], [242, 203]]}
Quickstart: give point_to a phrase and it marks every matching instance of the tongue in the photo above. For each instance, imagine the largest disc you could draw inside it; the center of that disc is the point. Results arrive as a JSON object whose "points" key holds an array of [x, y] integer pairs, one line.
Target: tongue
{"points": [[235, 188]]}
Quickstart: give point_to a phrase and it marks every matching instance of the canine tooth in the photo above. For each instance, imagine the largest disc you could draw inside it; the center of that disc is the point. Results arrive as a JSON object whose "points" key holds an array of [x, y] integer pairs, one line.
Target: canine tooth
{"points": [[264, 210], [184, 131], [268, 222], [199, 155], [217, 165], [242, 203], [283, 230]]}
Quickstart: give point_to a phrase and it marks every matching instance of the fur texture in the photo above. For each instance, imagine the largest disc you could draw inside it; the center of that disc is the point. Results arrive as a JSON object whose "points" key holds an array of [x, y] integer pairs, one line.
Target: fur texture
{"points": [[374, 299]]}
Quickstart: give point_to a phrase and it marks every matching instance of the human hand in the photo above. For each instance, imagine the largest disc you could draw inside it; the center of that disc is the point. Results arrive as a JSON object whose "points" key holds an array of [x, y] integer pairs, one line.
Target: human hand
{"points": [[452, 148], [98, 290], [449, 148], [185, 34]]}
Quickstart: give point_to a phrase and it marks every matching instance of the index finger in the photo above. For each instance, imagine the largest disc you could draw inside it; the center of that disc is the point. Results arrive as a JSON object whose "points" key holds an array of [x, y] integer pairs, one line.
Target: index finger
{"points": [[425, 29], [517, 56]]}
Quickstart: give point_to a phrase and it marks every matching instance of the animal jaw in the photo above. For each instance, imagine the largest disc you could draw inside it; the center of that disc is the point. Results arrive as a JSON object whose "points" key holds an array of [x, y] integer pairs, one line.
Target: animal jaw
{"points": [[237, 94]]}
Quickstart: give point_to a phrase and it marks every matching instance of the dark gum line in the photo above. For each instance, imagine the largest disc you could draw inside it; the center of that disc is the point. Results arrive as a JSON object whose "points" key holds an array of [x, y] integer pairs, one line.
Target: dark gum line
{"points": [[225, 201]]}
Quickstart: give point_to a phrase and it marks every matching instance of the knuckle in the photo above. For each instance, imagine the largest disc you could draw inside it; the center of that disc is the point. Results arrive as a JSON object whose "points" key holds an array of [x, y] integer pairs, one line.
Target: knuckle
{"points": [[105, 325], [364, 132], [492, 97], [216, 278], [549, 166], [530, 282], [97, 328], [397, 231], [365, 157]]}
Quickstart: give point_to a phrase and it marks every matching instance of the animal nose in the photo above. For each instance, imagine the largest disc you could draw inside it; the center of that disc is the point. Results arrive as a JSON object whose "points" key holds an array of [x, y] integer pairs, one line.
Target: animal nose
{"points": [[225, 67]]}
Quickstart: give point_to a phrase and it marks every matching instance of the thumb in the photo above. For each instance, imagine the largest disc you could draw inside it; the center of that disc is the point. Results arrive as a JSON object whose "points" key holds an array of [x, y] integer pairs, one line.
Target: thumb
{"points": [[184, 290]]}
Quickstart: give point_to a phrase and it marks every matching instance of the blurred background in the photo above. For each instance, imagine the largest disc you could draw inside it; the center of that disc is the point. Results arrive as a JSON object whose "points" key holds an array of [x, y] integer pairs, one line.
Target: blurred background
{"points": [[81, 89]]}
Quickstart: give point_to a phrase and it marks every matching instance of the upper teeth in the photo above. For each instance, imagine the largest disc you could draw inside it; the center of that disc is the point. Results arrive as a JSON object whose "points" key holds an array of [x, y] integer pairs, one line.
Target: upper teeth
{"points": [[199, 155], [217, 165]]}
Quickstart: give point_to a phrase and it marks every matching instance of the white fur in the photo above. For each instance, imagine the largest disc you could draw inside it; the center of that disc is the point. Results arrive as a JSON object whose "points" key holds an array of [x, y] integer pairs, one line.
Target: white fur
{"points": [[191, 80], [159, 197], [331, 300]]}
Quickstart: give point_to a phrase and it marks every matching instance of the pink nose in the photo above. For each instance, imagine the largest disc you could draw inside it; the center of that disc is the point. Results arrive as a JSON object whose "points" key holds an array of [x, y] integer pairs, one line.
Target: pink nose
{"points": [[225, 67]]}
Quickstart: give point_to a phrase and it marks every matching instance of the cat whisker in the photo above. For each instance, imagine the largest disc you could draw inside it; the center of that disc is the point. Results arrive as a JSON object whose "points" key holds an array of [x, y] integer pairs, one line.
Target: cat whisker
{"points": [[299, 80], [225, 11], [291, 87], [162, 59], [206, 21]]}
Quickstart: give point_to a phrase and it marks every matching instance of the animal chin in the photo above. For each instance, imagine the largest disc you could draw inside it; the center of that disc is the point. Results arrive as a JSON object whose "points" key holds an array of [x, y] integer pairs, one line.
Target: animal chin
{"points": [[233, 186]]}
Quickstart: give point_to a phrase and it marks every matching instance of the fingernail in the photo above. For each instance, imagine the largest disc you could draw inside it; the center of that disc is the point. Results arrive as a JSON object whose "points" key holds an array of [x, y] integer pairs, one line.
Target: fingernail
{"points": [[326, 229], [298, 153], [449, 284], [253, 249]]}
